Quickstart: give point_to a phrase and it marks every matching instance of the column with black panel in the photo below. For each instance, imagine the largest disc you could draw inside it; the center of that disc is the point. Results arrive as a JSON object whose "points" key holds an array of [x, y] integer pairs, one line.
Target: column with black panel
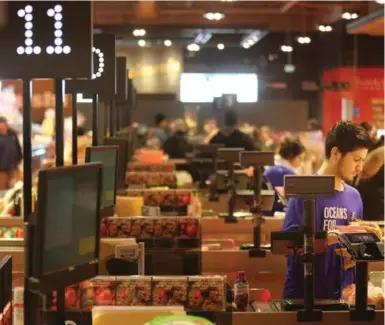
{"points": [[43, 40], [121, 91], [102, 84]]}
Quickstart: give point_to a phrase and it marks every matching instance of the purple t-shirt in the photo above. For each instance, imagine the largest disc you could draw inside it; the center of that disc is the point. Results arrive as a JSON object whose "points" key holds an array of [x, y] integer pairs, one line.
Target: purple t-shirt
{"points": [[330, 277], [276, 176]]}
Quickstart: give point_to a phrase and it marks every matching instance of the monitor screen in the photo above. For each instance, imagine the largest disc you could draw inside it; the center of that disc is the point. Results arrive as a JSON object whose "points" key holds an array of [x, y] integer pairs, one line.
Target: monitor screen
{"points": [[68, 216], [122, 158], [356, 238], [108, 156], [204, 87]]}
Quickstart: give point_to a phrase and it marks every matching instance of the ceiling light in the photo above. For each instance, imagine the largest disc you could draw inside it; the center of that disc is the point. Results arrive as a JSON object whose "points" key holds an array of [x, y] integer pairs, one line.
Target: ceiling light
{"points": [[381, 2], [349, 16], [303, 40], [167, 42], [193, 47], [250, 42], [220, 46], [325, 28], [246, 45], [139, 32], [286, 48], [214, 15], [142, 43]]}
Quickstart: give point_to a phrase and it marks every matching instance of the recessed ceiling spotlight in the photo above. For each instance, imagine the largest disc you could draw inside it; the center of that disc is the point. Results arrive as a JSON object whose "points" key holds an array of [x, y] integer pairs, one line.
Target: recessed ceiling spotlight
{"points": [[142, 43], [214, 15], [325, 28], [139, 32], [193, 47], [349, 15], [286, 48], [303, 40], [220, 46], [167, 43], [246, 45]]}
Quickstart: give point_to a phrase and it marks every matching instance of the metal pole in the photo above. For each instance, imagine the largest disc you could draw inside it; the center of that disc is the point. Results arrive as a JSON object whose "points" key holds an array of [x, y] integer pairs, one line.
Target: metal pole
{"points": [[27, 198], [74, 130], [94, 120], [309, 243], [59, 122], [118, 116], [112, 119]]}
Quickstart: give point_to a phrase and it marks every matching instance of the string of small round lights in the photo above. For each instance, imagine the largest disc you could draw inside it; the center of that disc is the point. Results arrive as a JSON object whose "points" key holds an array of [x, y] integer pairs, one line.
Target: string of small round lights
{"points": [[100, 55]]}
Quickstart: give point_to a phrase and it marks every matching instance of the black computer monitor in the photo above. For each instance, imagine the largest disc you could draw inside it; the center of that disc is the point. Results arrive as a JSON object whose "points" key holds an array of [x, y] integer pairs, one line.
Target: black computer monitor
{"points": [[108, 156], [123, 145], [66, 236], [6, 290]]}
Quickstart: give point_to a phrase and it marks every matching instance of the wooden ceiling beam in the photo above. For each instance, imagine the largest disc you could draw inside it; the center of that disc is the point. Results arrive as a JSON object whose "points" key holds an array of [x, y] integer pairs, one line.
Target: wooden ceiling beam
{"points": [[288, 5], [282, 24]]}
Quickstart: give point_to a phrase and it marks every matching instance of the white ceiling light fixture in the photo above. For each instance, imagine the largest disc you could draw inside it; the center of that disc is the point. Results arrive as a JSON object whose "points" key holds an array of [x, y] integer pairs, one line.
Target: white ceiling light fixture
{"points": [[381, 2], [246, 45], [193, 47], [220, 46], [325, 28], [142, 43], [214, 15], [139, 32], [286, 48], [303, 40], [349, 15], [167, 43]]}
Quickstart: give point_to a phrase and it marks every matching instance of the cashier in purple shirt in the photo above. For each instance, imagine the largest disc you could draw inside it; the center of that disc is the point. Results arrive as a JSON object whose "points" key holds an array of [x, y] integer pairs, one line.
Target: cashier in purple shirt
{"points": [[346, 147], [291, 152]]}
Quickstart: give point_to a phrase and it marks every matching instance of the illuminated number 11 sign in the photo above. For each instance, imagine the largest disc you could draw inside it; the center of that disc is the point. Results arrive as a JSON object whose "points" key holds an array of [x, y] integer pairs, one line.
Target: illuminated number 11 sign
{"points": [[56, 13]]}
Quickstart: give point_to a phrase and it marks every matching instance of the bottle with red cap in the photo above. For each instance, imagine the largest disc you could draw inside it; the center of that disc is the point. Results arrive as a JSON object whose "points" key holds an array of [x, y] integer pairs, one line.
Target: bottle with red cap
{"points": [[241, 291]]}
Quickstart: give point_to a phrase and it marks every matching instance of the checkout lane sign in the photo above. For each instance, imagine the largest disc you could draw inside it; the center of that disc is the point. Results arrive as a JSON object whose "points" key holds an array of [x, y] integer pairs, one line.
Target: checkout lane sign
{"points": [[47, 39]]}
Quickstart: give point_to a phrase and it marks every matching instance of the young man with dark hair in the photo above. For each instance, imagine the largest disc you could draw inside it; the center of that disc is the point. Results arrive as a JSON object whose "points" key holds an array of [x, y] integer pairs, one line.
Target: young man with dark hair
{"points": [[291, 152], [231, 136], [346, 147]]}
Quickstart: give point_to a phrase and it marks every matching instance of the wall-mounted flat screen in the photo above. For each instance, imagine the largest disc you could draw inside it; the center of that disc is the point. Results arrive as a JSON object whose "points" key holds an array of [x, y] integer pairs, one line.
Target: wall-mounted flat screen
{"points": [[204, 87]]}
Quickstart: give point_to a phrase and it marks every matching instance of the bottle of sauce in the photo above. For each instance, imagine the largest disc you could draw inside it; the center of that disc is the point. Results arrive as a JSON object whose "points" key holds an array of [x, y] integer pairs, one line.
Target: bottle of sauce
{"points": [[241, 292]]}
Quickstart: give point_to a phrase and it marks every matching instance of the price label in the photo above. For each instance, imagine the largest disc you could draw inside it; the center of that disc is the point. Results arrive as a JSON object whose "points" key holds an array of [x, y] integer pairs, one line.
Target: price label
{"points": [[47, 39], [103, 81]]}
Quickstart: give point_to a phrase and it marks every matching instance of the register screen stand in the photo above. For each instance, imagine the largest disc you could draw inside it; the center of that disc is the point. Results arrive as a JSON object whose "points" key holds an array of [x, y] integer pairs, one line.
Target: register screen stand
{"points": [[309, 188], [364, 248]]}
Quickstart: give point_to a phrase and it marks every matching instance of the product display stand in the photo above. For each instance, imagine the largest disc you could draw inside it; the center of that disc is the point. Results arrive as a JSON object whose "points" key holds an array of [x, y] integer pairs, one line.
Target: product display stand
{"points": [[231, 155], [74, 129], [257, 160]]}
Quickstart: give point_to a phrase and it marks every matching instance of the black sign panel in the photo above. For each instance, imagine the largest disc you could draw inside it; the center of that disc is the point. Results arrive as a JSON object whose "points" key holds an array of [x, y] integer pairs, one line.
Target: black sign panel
{"points": [[121, 79], [103, 81], [47, 39]]}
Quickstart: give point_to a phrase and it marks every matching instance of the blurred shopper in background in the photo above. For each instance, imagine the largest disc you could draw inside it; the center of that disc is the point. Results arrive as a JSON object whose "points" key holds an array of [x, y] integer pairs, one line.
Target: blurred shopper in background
{"points": [[288, 161], [161, 128], [177, 146], [230, 136], [10, 154]]}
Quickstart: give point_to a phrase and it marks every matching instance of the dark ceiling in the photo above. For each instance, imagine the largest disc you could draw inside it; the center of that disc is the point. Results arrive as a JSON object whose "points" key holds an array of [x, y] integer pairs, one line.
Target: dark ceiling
{"points": [[182, 21]]}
